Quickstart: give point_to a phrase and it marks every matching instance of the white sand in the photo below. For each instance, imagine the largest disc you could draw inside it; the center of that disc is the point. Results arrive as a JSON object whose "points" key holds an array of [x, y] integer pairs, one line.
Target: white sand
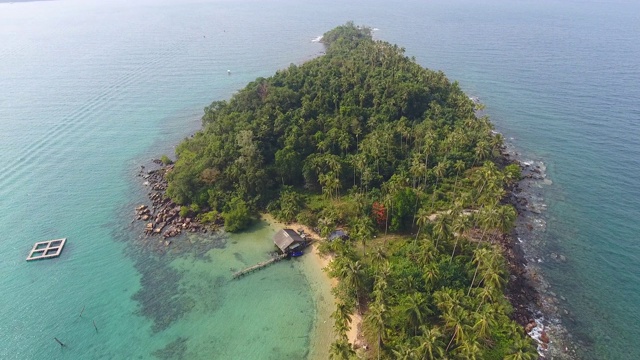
{"points": [[322, 284]]}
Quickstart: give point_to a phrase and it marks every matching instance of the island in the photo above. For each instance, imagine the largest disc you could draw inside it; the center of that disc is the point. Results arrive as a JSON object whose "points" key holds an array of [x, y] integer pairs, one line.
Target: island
{"points": [[365, 140]]}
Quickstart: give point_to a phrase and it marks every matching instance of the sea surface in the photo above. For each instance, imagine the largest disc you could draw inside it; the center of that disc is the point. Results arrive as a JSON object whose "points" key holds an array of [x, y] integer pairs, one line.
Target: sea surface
{"points": [[92, 90]]}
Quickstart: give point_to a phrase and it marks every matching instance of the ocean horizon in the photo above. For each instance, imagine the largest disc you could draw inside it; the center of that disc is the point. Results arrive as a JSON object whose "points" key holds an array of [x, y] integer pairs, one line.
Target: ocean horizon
{"points": [[90, 91]]}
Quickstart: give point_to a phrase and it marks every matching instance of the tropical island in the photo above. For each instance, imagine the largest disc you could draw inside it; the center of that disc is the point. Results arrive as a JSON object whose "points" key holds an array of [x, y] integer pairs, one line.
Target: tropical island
{"points": [[364, 139]]}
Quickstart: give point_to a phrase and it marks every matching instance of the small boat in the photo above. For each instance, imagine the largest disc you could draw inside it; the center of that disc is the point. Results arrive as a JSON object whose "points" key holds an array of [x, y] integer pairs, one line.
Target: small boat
{"points": [[297, 253]]}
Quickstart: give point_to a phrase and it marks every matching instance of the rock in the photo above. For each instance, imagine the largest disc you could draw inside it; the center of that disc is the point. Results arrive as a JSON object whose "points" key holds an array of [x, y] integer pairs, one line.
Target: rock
{"points": [[544, 337], [562, 258], [145, 217], [529, 327]]}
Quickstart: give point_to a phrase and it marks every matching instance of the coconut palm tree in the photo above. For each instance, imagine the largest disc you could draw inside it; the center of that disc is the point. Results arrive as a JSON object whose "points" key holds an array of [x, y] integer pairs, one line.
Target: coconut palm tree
{"points": [[481, 151], [460, 224], [484, 321], [341, 349], [363, 229], [404, 352], [456, 320], [470, 349], [522, 349], [376, 319], [505, 218], [431, 345], [342, 317], [459, 166], [415, 309], [421, 220], [442, 227], [482, 258], [431, 274]]}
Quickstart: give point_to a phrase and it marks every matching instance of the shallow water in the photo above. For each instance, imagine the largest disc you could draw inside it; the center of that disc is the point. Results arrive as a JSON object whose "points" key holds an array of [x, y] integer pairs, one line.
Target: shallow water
{"points": [[89, 91]]}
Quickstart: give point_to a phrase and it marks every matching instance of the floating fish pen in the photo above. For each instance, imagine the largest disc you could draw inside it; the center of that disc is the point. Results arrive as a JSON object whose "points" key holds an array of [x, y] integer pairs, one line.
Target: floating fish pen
{"points": [[46, 249]]}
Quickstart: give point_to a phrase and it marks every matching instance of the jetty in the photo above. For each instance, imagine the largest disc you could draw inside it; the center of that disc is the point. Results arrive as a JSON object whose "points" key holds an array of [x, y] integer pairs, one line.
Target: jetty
{"points": [[46, 249], [258, 266]]}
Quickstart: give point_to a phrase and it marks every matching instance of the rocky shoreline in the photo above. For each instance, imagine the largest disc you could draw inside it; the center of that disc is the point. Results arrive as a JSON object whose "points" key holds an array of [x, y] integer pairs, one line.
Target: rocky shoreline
{"points": [[162, 220], [162, 217], [534, 307]]}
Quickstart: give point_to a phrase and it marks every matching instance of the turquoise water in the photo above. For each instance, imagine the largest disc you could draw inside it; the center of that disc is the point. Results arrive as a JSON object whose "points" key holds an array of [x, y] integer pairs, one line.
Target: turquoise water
{"points": [[89, 91]]}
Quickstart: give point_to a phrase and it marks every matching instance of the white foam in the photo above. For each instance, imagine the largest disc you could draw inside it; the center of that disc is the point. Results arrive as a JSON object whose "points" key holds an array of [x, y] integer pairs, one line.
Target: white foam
{"points": [[318, 39]]}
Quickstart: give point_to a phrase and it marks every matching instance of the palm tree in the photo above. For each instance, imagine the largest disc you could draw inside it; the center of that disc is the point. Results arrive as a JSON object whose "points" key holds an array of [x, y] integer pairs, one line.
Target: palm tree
{"points": [[429, 144], [455, 320], [341, 349], [484, 321], [482, 258], [522, 349], [354, 279], [488, 219], [459, 226], [459, 166], [421, 220], [362, 229], [376, 318], [426, 251], [505, 218], [379, 258], [342, 317], [415, 309], [442, 227], [431, 344], [470, 349], [404, 352], [485, 294], [493, 277], [431, 274], [482, 151]]}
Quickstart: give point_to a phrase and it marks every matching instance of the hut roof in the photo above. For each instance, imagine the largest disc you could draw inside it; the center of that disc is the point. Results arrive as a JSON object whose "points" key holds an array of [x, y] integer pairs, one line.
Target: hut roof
{"points": [[285, 237], [338, 234]]}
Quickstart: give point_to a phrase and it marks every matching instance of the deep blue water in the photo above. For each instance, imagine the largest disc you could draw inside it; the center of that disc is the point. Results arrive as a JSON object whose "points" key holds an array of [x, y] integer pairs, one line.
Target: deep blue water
{"points": [[91, 90]]}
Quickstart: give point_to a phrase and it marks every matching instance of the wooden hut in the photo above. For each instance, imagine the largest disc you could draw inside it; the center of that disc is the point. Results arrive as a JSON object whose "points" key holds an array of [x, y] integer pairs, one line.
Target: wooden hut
{"points": [[287, 240]]}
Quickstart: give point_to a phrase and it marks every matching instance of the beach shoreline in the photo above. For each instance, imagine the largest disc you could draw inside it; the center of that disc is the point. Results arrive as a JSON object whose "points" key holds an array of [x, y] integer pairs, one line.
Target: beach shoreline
{"points": [[316, 263]]}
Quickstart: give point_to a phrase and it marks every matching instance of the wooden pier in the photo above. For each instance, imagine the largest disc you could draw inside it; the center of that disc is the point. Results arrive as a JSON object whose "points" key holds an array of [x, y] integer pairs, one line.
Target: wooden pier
{"points": [[259, 266], [46, 249]]}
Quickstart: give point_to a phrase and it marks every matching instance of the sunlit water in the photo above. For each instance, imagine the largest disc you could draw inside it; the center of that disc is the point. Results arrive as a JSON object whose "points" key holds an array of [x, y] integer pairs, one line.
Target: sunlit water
{"points": [[89, 91]]}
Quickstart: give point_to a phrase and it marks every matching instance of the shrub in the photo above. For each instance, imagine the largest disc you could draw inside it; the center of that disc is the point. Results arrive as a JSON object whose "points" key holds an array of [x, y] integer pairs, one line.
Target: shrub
{"points": [[209, 217], [165, 160], [307, 217], [237, 217], [184, 211]]}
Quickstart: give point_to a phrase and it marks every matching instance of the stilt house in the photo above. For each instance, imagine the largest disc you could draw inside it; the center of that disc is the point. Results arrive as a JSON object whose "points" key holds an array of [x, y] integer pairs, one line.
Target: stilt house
{"points": [[287, 240]]}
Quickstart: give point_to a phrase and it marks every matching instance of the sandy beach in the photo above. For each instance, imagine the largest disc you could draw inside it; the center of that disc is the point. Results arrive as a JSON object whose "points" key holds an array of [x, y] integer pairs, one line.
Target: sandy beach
{"points": [[321, 283]]}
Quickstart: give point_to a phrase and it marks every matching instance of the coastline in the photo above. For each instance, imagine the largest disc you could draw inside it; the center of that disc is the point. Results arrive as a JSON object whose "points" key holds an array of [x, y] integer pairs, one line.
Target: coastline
{"points": [[529, 293], [534, 307], [322, 334]]}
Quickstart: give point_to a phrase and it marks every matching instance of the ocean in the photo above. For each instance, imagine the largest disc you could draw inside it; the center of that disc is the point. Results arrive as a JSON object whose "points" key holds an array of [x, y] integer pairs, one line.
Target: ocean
{"points": [[92, 90]]}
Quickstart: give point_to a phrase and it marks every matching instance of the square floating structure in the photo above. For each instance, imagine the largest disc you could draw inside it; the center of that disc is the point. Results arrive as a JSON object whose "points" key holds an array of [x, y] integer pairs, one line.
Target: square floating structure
{"points": [[46, 249]]}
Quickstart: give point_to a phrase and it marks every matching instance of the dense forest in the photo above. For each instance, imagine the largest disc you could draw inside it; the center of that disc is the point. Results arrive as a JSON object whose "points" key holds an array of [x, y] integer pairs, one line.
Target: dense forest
{"points": [[366, 139]]}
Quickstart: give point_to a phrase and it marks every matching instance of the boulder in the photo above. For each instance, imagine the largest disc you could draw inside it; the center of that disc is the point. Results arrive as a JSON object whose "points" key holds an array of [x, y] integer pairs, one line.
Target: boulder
{"points": [[529, 327], [544, 337]]}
